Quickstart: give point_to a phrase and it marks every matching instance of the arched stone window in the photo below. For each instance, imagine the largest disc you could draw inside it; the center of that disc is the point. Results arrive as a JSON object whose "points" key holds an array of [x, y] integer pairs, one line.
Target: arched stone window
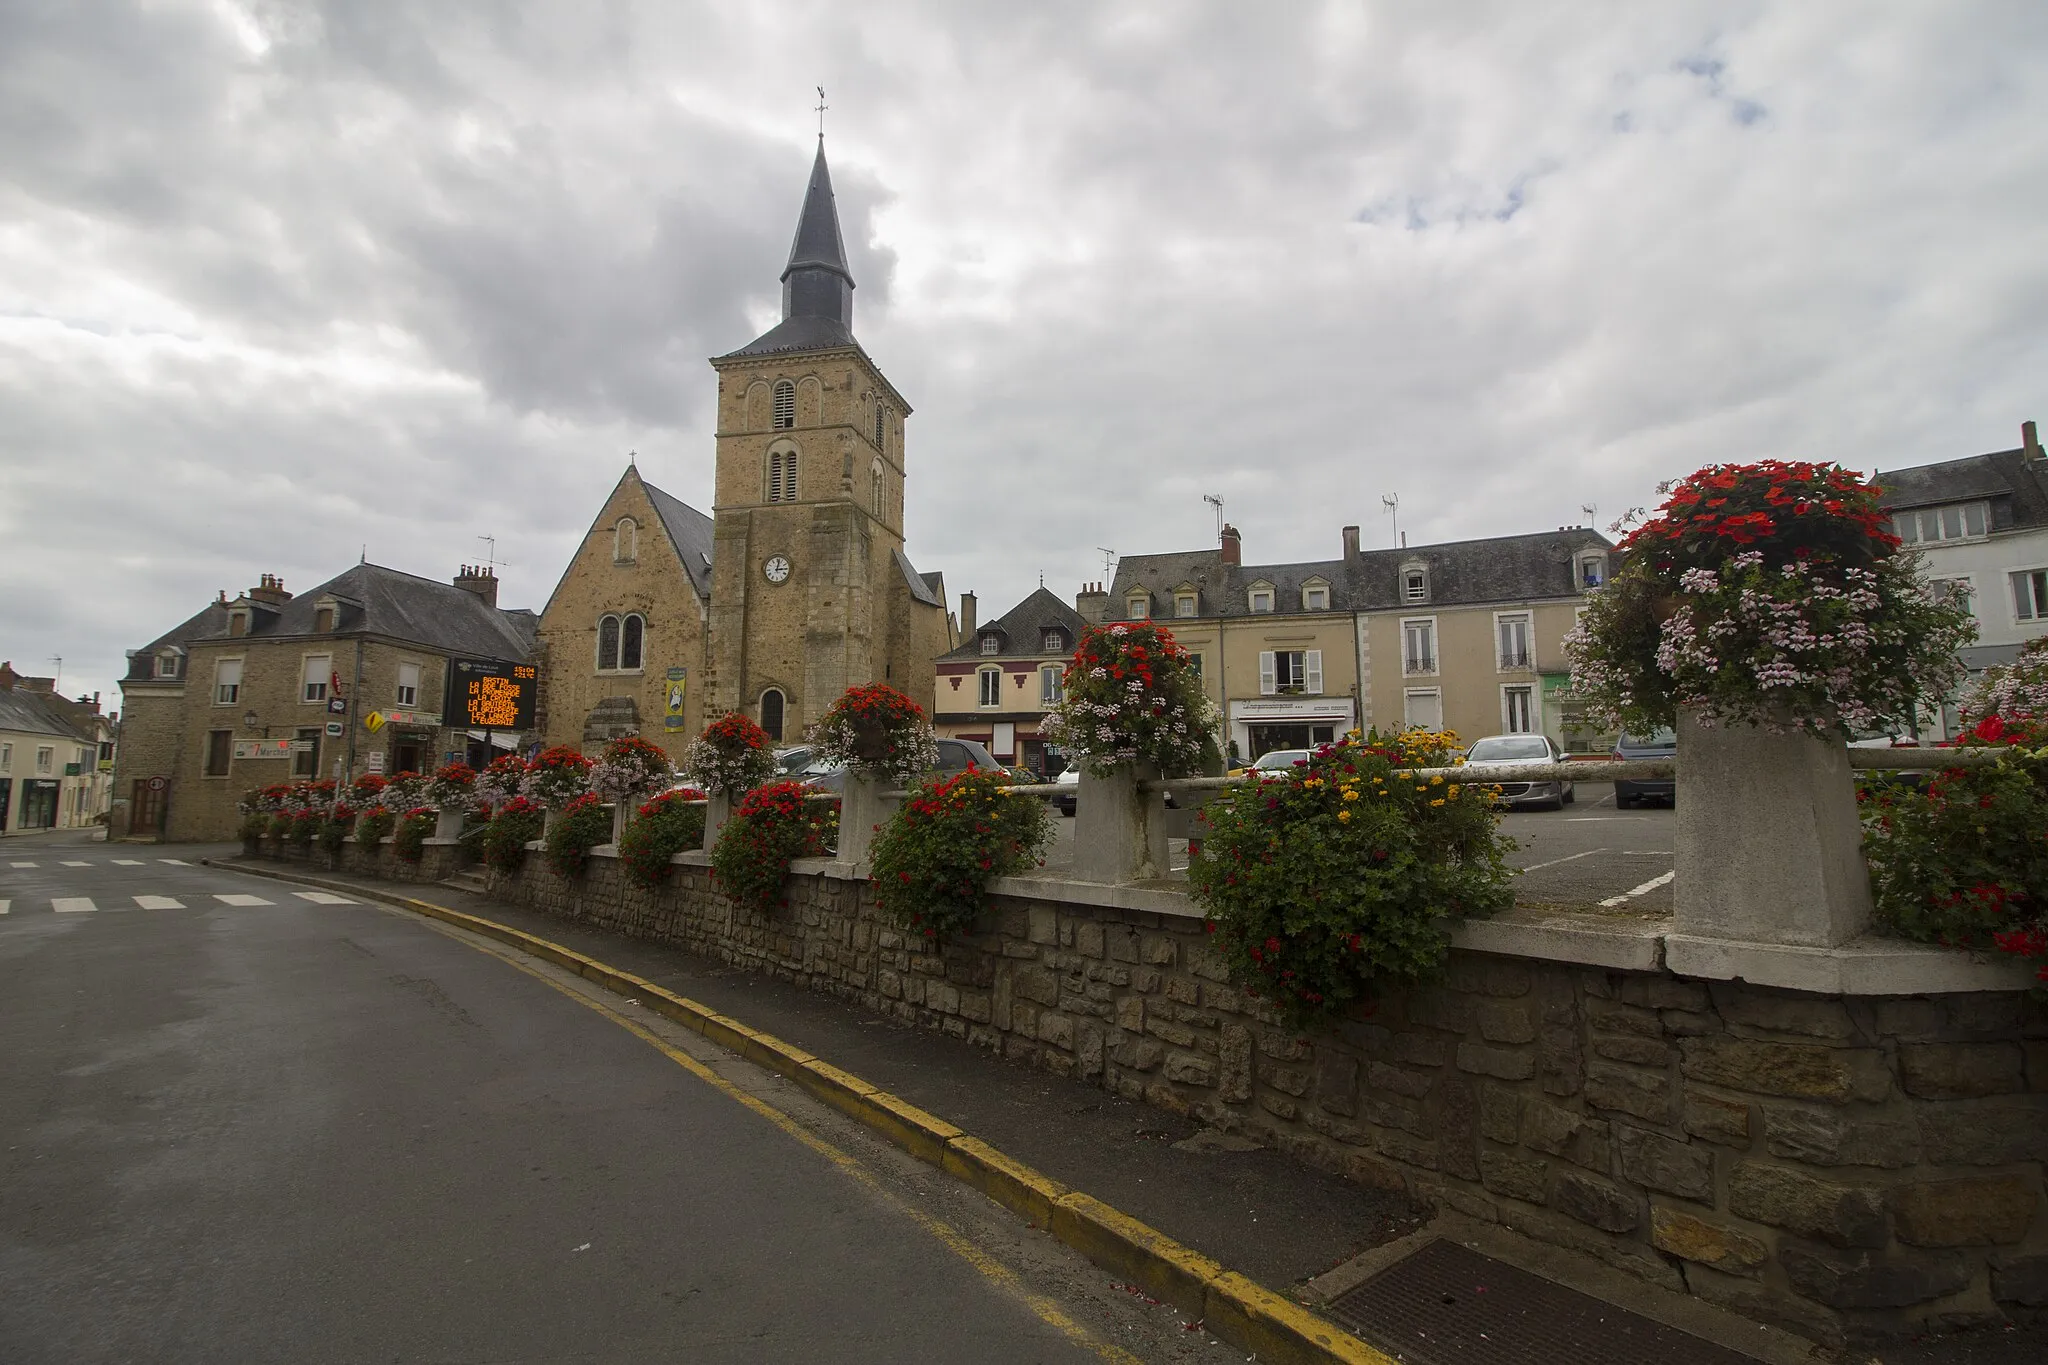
{"points": [[782, 476], [625, 541], [785, 405], [771, 713], [875, 489], [632, 641], [881, 426], [607, 643]]}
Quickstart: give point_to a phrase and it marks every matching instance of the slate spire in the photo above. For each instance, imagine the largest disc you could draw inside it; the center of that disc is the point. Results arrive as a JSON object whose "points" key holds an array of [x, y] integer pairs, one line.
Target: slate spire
{"points": [[816, 283]]}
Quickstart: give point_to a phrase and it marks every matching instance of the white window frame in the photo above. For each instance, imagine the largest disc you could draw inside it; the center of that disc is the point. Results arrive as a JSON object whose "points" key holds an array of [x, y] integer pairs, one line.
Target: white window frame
{"points": [[1305, 671], [991, 644], [1967, 582], [169, 664], [1410, 694], [1504, 662], [408, 695], [1530, 709], [1414, 582], [311, 692], [6, 758], [982, 688], [2039, 607], [1186, 604], [1920, 520], [1315, 597], [1592, 570], [46, 758], [1052, 640], [1138, 608], [1259, 598], [1430, 665], [1052, 684], [227, 691]]}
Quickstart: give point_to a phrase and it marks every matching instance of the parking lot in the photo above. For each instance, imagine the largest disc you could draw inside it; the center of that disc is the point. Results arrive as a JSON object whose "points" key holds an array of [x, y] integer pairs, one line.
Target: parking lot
{"points": [[1588, 855]]}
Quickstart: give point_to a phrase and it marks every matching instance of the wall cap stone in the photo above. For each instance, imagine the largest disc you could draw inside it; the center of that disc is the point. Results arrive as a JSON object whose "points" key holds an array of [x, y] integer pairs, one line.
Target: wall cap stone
{"points": [[1864, 966]]}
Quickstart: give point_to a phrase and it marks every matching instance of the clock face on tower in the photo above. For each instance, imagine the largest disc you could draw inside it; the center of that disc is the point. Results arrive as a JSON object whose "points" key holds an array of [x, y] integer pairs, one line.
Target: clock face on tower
{"points": [[777, 569]]}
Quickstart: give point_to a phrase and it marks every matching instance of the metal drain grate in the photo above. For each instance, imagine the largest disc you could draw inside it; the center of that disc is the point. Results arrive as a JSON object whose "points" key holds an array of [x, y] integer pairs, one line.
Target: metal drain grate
{"points": [[1448, 1305]]}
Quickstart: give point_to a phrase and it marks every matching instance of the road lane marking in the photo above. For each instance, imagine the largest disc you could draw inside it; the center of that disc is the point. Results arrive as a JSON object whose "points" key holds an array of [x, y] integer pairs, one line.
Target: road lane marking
{"points": [[1650, 885], [73, 905], [21, 864], [1538, 867], [324, 898], [175, 862], [4, 905], [129, 862], [159, 903], [239, 898], [68, 862], [998, 1274]]}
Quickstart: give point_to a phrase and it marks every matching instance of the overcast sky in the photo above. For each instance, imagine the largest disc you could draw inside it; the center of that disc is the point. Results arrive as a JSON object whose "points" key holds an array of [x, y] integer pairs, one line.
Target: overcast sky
{"points": [[283, 281]]}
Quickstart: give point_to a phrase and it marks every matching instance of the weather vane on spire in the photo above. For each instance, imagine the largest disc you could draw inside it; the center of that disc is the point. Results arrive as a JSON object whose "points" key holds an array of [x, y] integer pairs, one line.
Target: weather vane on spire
{"points": [[822, 107]]}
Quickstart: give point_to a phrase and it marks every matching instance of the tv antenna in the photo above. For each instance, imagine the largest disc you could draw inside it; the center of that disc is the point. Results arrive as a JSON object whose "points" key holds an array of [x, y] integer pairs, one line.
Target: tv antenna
{"points": [[1216, 503], [1591, 511], [1108, 563], [491, 560], [1390, 503]]}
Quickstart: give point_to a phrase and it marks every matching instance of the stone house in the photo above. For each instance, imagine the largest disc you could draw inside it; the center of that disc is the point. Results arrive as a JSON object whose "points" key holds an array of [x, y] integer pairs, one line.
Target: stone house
{"points": [[50, 749], [272, 687], [624, 629], [1982, 524], [994, 687]]}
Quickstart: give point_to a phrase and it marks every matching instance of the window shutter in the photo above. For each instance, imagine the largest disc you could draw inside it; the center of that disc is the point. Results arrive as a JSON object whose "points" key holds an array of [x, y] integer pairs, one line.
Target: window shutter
{"points": [[1314, 683], [1268, 685]]}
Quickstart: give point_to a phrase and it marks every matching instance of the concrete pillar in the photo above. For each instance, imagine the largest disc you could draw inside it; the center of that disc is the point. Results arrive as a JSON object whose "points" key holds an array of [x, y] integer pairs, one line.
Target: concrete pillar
{"points": [[448, 822], [717, 811], [622, 811], [1767, 844], [1119, 832], [862, 811]]}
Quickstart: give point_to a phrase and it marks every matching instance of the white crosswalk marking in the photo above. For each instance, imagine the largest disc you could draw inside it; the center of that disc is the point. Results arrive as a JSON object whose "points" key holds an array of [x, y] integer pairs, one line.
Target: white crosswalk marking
{"points": [[175, 862], [324, 898], [73, 905], [4, 905], [128, 862], [236, 898], [159, 903], [68, 862], [21, 864]]}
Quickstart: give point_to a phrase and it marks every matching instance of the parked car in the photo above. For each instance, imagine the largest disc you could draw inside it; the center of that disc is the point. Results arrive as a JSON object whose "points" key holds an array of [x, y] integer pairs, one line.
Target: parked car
{"points": [[955, 756], [1275, 762], [793, 760], [1524, 750], [1661, 744], [1070, 780]]}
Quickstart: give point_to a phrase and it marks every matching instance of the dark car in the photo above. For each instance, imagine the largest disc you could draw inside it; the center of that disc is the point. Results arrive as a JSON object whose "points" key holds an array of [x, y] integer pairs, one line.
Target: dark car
{"points": [[1661, 744], [955, 756]]}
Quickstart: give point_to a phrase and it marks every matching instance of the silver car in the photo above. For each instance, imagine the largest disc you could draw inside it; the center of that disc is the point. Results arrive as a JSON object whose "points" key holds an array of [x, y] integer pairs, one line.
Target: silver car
{"points": [[1497, 750]]}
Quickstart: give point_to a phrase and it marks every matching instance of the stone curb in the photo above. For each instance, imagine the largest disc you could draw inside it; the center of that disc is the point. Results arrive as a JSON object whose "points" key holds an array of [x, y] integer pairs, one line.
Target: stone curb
{"points": [[1230, 1305]]}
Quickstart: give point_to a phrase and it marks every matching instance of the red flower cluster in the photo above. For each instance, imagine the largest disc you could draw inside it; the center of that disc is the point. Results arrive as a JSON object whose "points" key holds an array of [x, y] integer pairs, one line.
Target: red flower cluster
{"points": [[878, 702], [1785, 508], [368, 785], [734, 730], [456, 774]]}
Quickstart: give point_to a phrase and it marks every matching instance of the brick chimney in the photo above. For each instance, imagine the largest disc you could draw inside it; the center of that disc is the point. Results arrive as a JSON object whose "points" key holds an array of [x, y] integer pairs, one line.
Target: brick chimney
{"points": [[969, 618], [1233, 545], [1092, 602], [270, 592], [2030, 441], [8, 677], [1351, 545], [481, 580]]}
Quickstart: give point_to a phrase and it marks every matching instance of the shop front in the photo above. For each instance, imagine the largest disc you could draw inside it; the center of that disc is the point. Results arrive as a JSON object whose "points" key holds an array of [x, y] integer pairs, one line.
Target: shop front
{"points": [[39, 799], [1269, 723]]}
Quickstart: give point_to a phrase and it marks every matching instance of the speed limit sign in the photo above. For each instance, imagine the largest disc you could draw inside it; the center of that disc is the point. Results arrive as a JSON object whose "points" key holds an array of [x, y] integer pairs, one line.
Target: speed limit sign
{"points": [[157, 784]]}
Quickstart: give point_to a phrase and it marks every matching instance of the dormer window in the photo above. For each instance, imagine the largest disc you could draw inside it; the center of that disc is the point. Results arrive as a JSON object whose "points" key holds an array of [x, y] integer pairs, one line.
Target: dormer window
{"points": [[785, 405], [323, 619], [1315, 596], [1186, 604], [167, 664], [1053, 641], [1930, 525], [238, 621], [1414, 583], [991, 643], [1138, 607], [1261, 597], [1592, 570]]}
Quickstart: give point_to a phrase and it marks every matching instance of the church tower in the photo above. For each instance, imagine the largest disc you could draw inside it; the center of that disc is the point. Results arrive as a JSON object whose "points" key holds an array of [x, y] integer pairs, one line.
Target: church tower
{"points": [[811, 590]]}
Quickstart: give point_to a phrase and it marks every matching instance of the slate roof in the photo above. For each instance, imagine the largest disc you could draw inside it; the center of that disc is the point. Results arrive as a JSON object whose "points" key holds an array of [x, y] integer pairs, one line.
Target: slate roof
{"points": [[689, 531], [818, 244], [1461, 573], [817, 286], [1020, 627], [928, 588], [40, 713], [799, 334], [2002, 477], [378, 601]]}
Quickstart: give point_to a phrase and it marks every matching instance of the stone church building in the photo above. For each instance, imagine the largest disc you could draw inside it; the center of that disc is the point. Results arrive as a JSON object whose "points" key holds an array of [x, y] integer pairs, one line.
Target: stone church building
{"points": [[797, 586]]}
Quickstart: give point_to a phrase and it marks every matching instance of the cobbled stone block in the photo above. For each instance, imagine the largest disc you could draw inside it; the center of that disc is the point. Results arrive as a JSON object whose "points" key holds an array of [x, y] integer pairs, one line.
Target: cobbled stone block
{"points": [[1515, 1177], [1664, 1163], [1458, 1128], [1607, 1016], [1560, 1062], [1834, 1138], [1711, 1244], [1558, 1131], [1800, 1070], [2020, 1280], [1958, 1071], [1336, 1081], [1716, 1120], [1844, 1215], [1138, 1054], [1864, 1279], [1414, 1084], [1497, 1062], [1810, 1016], [1505, 1022], [1488, 976], [1994, 1210], [1189, 1069], [1596, 1202], [1622, 1047], [1663, 993], [1645, 1094], [1983, 1134], [1234, 1063], [1500, 1113]]}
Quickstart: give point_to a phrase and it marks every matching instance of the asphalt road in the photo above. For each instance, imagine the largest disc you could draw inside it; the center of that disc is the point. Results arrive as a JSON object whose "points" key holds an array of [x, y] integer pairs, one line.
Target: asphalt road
{"points": [[241, 1122]]}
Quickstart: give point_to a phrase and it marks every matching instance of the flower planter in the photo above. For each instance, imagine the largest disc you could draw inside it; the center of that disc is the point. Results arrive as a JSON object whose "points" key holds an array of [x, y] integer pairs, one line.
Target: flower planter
{"points": [[448, 823], [717, 810], [863, 809], [1119, 831], [1767, 842]]}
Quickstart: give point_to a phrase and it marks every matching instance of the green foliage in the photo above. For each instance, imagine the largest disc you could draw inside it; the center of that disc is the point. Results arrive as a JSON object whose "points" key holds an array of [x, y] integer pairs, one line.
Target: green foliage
{"points": [[933, 862], [583, 824], [376, 822], [255, 824], [408, 842], [279, 825], [334, 830], [305, 824], [1326, 885], [517, 823], [669, 824], [773, 826]]}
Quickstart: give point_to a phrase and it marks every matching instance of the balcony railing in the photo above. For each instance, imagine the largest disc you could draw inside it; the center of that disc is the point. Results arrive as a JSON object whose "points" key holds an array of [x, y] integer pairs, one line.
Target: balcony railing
{"points": [[1424, 664], [1513, 660]]}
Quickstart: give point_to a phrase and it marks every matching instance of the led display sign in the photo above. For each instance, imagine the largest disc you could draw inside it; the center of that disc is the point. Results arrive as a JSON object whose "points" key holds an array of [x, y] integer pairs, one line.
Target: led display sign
{"points": [[484, 694]]}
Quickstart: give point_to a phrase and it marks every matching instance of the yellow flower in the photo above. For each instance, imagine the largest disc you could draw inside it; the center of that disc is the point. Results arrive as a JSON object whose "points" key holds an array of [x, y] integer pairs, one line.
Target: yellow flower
{"points": [[1438, 802], [1351, 793], [1343, 815], [1437, 781], [1453, 792]]}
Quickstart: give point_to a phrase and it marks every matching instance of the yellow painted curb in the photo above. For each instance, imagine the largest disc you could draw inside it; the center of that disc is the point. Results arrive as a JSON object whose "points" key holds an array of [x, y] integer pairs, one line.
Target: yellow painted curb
{"points": [[1230, 1305]]}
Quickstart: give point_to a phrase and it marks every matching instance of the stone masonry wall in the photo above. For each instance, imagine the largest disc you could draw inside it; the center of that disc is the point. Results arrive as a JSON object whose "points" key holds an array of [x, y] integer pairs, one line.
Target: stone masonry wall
{"points": [[1848, 1169]]}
